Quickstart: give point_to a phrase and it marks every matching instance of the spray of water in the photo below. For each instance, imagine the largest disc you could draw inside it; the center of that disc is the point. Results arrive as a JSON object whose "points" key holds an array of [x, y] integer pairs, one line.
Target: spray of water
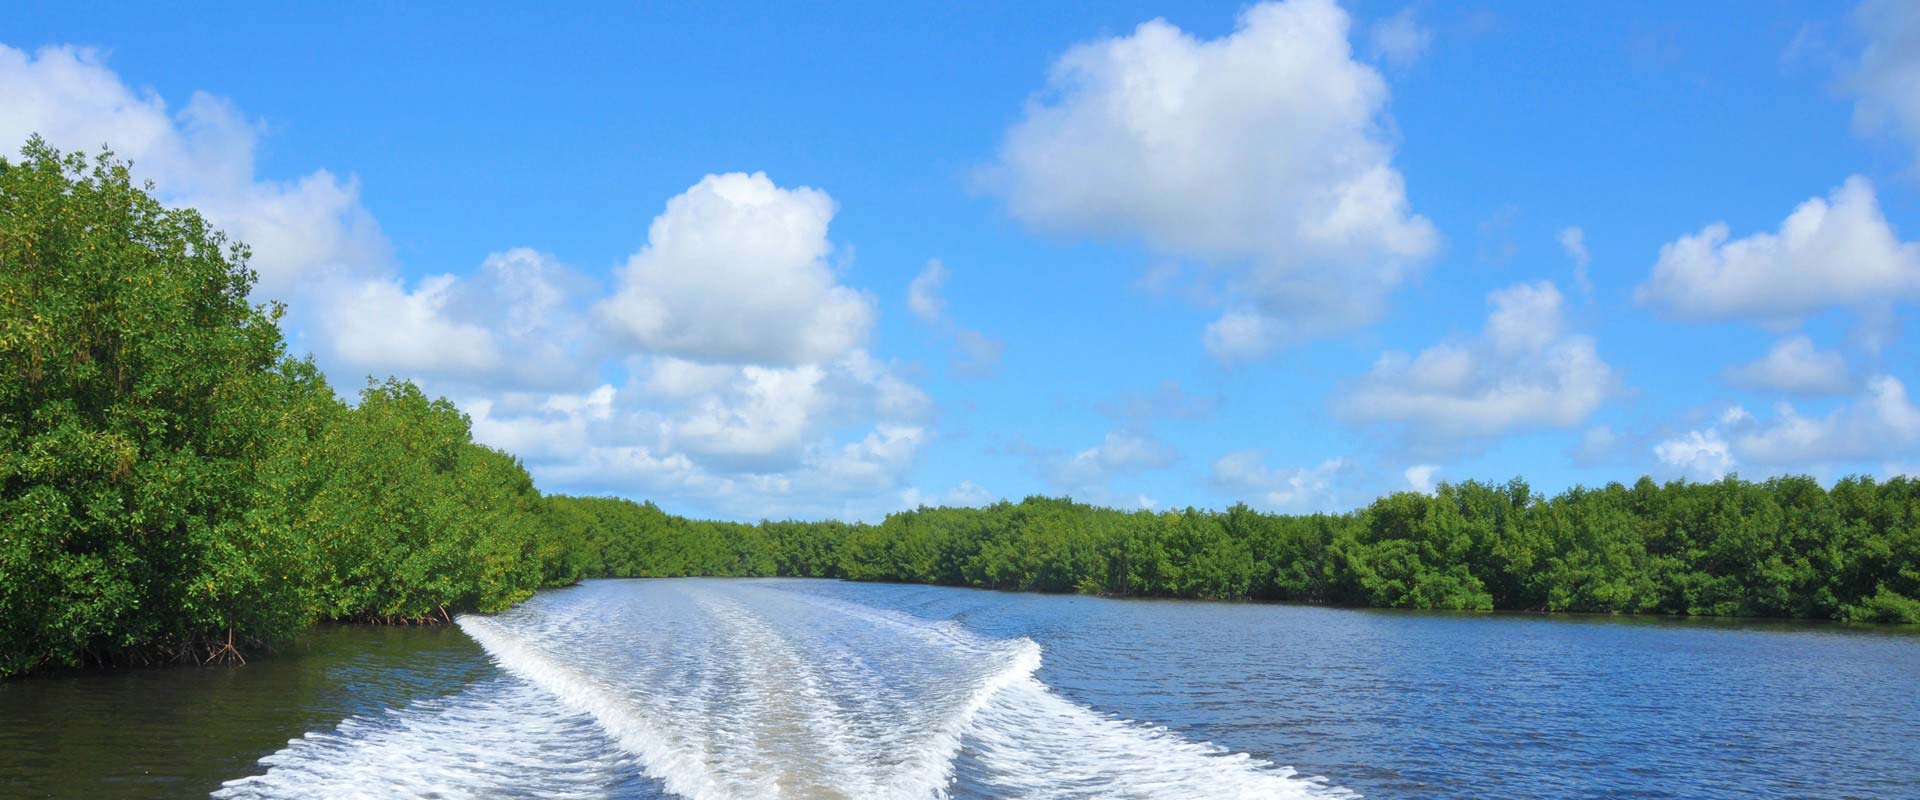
{"points": [[730, 689]]}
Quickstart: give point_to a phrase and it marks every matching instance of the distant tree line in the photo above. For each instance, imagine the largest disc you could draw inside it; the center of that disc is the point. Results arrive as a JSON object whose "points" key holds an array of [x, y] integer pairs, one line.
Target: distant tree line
{"points": [[173, 486], [1788, 547]]}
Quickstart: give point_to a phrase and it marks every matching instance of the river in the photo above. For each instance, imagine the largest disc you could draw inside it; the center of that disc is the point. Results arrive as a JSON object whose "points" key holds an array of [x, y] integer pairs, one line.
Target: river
{"points": [[738, 688]]}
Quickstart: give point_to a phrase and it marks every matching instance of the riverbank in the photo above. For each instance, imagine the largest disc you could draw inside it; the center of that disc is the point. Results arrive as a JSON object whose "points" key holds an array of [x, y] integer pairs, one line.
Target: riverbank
{"points": [[1788, 548]]}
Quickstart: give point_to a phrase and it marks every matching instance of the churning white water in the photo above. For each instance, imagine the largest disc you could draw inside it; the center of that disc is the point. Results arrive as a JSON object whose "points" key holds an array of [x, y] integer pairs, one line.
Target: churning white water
{"points": [[739, 689]]}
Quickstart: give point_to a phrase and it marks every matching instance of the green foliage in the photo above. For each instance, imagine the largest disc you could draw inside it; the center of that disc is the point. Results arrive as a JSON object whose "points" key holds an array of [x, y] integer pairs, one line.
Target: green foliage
{"points": [[1783, 548], [1780, 548], [410, 517], [1885, 606], [173, 486], [137, 403]]}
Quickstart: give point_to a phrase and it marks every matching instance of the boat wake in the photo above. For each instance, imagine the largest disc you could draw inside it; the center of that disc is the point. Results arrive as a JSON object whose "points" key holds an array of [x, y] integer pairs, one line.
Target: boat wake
{"points": [[735, 689]]}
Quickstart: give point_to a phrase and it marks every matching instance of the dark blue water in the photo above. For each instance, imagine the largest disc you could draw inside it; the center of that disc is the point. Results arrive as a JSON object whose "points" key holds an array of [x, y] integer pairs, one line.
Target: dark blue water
{"points": [[1423, 704], [743, 688]]}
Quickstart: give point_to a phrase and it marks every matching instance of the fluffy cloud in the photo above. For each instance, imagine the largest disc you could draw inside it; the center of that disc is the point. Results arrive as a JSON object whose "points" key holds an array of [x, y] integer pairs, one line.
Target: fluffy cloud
{"points": [[1838, 251], [1525, 370], [382, 327], [541, 428], [516, 323], [1420, 477], [1245, 476], [758, 419], [1700, 455], [1794, 365], [975, 354], [749, 390], [1886, 83], [300, 230], [1879, 423], [735, 270], [1264, 151], [765, 418], [742, 440]]}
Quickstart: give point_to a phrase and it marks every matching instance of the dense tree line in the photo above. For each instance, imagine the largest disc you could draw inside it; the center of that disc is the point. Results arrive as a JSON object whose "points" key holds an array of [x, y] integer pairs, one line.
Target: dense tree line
{"points": [[1787, 547], [174, 486]]}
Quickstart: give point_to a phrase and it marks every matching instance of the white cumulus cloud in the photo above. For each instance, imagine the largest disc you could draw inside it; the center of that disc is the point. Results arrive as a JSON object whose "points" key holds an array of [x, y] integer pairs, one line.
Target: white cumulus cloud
{"points": [[1700, 455], [1878, 424], [1881, 422], [380, 326], [735, 270], [765, 418], [202, 155], [1420, 477], [1264, 151], [1839, 251], [1525, 370], [517, 323], [740, 440]]}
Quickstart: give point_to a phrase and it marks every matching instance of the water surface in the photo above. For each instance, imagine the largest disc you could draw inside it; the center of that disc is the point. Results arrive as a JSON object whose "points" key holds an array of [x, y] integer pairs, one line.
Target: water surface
{"points": [[764, 688]]}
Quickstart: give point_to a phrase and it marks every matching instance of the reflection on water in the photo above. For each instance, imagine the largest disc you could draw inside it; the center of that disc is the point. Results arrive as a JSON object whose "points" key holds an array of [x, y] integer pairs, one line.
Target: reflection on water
{"points": [[743, 688], [181, 731]]}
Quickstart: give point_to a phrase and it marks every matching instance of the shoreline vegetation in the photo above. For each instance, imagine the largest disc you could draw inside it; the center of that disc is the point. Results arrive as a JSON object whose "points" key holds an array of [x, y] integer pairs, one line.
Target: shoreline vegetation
{"points": [[175, 488]]}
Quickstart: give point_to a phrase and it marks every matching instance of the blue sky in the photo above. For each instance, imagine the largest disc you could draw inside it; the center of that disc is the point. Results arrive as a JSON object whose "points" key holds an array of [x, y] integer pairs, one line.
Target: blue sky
{"points": [[1295, 253]]}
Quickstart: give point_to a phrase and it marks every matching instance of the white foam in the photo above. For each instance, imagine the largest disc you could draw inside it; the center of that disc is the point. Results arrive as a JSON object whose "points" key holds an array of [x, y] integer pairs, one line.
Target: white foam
{"points": [[500, 738], [1037, 744], [728, 689]]}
